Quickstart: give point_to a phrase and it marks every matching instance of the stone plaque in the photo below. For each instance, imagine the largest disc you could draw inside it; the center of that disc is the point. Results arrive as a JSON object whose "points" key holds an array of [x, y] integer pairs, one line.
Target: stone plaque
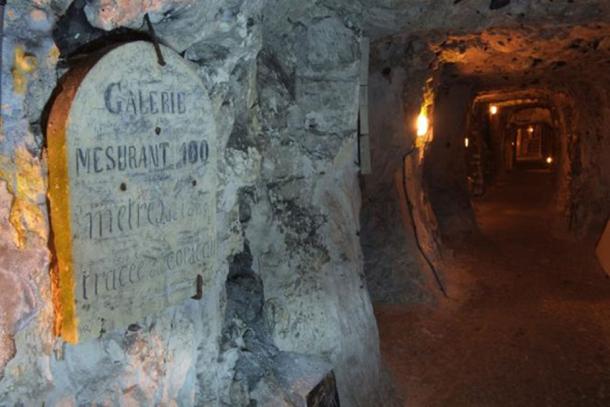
{"points": [[132, 187]]}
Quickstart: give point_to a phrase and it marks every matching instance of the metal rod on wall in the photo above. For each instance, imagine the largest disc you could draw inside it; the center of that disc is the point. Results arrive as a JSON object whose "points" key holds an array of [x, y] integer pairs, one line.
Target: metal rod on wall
{"points": [[2, 6]]}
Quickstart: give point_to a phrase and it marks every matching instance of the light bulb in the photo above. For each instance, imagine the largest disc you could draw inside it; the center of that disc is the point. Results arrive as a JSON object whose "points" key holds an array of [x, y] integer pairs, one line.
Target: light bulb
{"points": [[422, 125]]}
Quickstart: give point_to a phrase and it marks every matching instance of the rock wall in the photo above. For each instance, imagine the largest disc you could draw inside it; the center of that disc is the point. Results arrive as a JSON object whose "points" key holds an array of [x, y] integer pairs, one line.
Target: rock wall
{"points": [[400, 84], [304, 225], [283, 79], [588, 149], [444, 166], [393, 265]]}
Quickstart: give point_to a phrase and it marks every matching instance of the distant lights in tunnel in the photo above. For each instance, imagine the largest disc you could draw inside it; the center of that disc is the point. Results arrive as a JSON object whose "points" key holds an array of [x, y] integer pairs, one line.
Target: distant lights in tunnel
{"points": [[493, 109], [422, 125]]}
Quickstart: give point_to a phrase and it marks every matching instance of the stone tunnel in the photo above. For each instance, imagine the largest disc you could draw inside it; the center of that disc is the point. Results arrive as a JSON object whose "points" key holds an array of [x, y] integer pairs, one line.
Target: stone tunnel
{"points": [[305, 203]]}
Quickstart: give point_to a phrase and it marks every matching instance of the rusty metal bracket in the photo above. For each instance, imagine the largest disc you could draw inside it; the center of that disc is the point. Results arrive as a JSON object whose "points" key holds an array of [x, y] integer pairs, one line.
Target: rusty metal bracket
{"points": [[153, 35]]}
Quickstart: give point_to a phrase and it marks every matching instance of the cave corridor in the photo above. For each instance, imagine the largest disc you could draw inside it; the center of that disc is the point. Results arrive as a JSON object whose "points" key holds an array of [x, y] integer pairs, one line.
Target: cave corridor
{"points": [[486, 276]]}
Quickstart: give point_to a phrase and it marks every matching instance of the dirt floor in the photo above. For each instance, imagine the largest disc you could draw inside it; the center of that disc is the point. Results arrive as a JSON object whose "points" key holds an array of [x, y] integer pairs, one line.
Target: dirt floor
{"points": [[528, 321]]}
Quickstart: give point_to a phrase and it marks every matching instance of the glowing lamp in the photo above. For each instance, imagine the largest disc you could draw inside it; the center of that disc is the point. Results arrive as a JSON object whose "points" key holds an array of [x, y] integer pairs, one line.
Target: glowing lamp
{"points": [[549, 160], [466, 142], [530, 129], [493, 109], [422, 125]]}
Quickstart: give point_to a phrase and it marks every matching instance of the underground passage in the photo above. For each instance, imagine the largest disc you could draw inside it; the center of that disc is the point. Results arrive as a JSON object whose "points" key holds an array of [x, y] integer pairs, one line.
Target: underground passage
{"points": [[305, 203]]}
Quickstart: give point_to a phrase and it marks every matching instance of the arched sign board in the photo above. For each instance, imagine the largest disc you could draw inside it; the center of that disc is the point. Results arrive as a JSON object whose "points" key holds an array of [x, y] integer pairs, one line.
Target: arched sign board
{"points": [[132, 188]]}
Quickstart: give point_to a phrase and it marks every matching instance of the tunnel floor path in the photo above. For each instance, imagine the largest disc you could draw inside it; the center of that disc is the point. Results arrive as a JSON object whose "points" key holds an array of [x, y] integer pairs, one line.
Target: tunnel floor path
{"points": [[527, 322]]}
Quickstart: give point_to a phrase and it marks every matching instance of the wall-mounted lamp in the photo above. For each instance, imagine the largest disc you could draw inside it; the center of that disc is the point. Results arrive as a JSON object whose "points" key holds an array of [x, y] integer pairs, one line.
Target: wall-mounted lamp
{"points": [[493, 109], [422, 125], [530, 129], [466, 142], [549, 160]]}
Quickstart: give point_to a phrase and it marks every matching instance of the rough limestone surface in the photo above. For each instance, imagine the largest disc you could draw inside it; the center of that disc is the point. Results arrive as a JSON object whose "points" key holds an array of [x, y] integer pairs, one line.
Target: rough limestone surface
{"points": [[381, 18], [305, 212], [282, 78]]}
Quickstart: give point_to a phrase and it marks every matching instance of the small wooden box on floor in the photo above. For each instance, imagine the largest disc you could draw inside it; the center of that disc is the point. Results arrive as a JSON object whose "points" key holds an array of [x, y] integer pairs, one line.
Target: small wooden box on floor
{"points": [[603, 249]]}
